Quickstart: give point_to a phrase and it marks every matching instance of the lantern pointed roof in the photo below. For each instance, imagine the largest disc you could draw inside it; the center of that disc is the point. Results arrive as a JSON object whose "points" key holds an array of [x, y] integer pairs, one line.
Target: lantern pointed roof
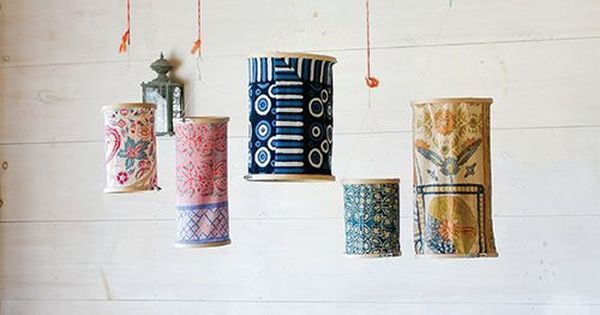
{"points": [[161, 66]]}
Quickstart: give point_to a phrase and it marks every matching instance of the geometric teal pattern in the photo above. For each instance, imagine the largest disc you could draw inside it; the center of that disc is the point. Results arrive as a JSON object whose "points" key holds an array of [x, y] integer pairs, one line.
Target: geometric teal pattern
{"points": [[372, 215]]}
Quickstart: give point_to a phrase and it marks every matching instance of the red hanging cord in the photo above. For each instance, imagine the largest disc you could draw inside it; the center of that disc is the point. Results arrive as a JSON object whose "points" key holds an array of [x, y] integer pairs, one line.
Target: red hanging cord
{"points": [[126, 37], [198, 42], [371, 81]]}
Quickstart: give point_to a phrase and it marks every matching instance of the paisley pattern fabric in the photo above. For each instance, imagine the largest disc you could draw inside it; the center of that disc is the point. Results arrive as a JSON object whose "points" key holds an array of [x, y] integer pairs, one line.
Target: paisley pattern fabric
{"points": [[130, 146], [372, 214], [291, 115], [201, 179], [452, 213]]}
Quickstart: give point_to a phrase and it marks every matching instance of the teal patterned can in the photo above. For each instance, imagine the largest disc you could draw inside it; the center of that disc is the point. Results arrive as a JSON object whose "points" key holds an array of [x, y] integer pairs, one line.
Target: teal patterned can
{"points": [[372, 217]]}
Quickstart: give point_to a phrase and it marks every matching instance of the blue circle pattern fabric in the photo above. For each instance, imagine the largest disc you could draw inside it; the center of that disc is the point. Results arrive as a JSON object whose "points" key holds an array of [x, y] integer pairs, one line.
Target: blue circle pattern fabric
{"points": [[291, 115]]}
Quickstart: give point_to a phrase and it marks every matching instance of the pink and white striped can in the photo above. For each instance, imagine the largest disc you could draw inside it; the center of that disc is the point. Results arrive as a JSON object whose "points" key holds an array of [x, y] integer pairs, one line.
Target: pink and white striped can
{"points": [[130, 147], [201, 176]]}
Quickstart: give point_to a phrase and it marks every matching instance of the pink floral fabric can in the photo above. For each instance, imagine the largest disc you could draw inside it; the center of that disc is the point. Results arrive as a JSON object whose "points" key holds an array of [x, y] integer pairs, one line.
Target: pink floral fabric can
{"points": [[130, 147], [201, 176]]}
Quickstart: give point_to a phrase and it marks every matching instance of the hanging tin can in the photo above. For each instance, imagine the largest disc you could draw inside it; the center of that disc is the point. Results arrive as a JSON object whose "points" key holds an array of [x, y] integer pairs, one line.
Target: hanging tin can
{"points": [[291, 117], [130, 147], [372, 217], [201, 176], [452, 174]]}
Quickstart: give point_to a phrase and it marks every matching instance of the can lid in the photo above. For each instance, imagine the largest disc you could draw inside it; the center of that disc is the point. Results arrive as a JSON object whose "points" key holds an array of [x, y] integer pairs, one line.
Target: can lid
{"points": [[280, 54], [207, 119], [128, 105], [289, 178], [350, 181], [487, 100]]}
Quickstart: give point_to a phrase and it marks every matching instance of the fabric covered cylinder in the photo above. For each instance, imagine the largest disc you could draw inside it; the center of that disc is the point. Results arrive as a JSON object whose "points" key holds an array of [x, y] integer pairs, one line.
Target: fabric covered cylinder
{"points": [[372, 215], [201, 176], [130, 147], [452, 176], [291, 117]]}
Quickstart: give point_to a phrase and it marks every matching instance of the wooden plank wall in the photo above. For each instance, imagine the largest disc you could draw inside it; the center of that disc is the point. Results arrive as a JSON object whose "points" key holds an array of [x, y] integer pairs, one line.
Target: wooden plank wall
{"points": [[66, 248]]}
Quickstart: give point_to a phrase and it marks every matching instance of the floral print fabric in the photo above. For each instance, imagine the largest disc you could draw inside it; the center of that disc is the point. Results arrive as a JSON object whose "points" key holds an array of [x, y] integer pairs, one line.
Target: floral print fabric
{"points": [[201, 182], [130, 147], [452, 178]]}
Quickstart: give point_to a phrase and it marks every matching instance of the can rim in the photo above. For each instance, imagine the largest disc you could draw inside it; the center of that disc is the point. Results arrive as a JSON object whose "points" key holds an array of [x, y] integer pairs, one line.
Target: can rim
{"points": [[350, 181], [487, 100], [203, 119], [126, 189], [397, 254], [203, 245], [289, 178], [283, 54], [455, 256], [129, 105]]}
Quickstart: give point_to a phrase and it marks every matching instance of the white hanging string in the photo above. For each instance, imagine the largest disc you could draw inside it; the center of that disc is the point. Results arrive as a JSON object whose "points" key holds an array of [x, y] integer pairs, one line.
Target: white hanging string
{"points": [[430, 54], [372, 125]]}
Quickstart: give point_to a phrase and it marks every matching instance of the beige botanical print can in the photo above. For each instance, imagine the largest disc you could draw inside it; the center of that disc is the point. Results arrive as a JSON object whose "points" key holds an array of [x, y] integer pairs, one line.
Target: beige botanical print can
{"points": [[452, 176]]}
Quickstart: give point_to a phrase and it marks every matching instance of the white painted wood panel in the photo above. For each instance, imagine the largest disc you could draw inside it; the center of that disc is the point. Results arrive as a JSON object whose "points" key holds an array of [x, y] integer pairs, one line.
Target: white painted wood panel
{"points": [[533, 84], [278, 308], [542, 260], [65, 181], [66, 248], [71, 31]]}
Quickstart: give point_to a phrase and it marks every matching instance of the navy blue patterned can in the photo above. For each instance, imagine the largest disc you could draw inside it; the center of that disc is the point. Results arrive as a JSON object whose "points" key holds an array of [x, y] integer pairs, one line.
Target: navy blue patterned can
{"points": [[291, 117], [372, 217]]}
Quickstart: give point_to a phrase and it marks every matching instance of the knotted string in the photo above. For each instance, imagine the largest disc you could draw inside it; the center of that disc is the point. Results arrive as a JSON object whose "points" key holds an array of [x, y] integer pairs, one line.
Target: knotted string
{"points": [[371, 81], [126, 37], [369, 115], [198, 42]]}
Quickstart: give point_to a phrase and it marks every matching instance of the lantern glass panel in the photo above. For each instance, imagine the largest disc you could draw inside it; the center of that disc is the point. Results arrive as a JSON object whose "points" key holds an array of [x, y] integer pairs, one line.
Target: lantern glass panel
{"points": [[152, 95]]}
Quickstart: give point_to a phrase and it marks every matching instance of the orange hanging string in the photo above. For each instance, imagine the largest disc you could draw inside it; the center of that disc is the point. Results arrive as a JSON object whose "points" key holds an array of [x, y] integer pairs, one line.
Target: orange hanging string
{"points": [[198, 42], [126, 37], [371, 81]]}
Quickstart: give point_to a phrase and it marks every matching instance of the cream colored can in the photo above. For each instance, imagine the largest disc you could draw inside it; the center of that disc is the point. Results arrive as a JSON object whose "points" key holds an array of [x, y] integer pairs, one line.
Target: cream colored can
{"points": [[130, 147], [452, 177]]}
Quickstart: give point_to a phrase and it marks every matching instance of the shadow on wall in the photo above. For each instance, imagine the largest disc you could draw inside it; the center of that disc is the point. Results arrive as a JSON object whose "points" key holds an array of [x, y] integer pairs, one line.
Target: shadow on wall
{"points": [[175, 61]]}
